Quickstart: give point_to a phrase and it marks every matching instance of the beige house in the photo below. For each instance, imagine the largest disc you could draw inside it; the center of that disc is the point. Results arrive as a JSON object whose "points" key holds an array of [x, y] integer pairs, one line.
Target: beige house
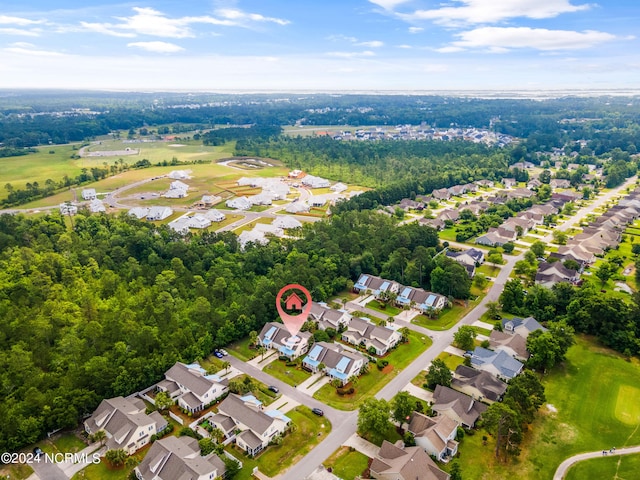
{"points": [[370, 335], [437, 435], [397, 462], [192, 387]]}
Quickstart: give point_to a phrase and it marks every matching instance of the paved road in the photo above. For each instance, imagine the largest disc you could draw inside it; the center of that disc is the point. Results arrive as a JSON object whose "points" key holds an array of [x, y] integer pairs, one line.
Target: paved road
{"points": [[569, 462]]}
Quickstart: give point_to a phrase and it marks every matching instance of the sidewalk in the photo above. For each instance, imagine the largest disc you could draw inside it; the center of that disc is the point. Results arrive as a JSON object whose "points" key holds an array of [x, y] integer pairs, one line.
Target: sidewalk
{"points": [[361, 445], [418, 392], [308, 387], [260, 362]]}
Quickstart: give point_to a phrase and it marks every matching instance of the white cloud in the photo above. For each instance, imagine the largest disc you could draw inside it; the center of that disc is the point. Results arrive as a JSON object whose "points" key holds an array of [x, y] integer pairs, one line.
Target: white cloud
{"points": [[20, 32], [18, 21], [151, 22], [492, 11], [499, 40], [24, 48], [157, 47], [365, 53], [388, 4], [404, 46], [240, 16], [335, 38], [415, 29], [371, 44]]}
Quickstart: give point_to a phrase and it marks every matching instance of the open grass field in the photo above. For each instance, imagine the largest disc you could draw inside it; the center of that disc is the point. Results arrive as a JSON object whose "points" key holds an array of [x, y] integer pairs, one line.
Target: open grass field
{"points": [[624, 467], [370, 383], [347, 464], [588, 395]]}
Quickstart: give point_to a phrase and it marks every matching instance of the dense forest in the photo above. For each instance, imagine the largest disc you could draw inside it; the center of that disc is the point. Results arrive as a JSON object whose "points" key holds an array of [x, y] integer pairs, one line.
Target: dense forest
{"points": [[105, 308]]}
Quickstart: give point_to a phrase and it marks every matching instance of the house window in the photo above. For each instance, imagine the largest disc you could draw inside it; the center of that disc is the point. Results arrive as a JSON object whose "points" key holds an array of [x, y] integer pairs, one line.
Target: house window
{"points": [[141, 433], [150, 427]]}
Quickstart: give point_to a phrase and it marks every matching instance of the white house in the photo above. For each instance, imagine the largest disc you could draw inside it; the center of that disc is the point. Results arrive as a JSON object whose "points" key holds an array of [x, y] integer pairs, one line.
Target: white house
{"points": [[252, 236], [276, 336], [261, 199], [420, 299], [258, 427], [315, 182], [329, 317], [179, 174], [125, 423], [285, 222], [338, 187], [370, 335], [96, 206], [338, 362], [159, 213], [68, 209], [239, 203], [192, 387], [214, 215], [437, 435], [89, 194], [139, 212], [297, 207], [180, 225]]}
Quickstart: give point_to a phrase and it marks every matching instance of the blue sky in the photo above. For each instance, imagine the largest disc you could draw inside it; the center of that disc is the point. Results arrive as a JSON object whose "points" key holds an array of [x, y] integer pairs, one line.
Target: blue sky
{"points": [[320, 45]]}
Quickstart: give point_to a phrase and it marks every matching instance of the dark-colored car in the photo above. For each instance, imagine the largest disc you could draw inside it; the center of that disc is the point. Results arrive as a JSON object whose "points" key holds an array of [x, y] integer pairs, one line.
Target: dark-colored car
{"points": [[38, 452], [317, 411], [218, 354], [274, 389]]}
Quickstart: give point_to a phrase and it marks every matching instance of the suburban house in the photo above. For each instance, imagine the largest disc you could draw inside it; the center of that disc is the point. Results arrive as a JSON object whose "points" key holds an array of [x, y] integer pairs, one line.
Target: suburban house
{"points": [[239, 203], [509, 182], [484, 183], [192, 387], [437, 435], [407, 204], [328, 317], [178, 457], [68, 209], [339, 363], [159, 213], [251, 236], [560, 183], [285, 222], [534, 218], [534, 184], [89, 194], [338, 187], [468, 259], [496, 237], [521, 326], [517, 224], [214, 215], [397, 462], [478, 384], [276, 336], [551, 273], [498, 363], [260, 199], [179, 174], [574, 252], [441, 194], [449, 214], [139, 212], [521, 165], [420, 299], [96, 206], [258, 427], [514, 345], [376, 285], [363, 332], [457, 406], [457, 190], [520, 193], [315, 182], [297, 207], [125, 423], [208, 200], [544, 210]]}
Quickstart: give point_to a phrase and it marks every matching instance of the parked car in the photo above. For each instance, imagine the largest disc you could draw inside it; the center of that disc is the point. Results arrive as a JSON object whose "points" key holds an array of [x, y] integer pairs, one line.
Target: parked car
{"points": [[274, 389], [223, 352], [317, 411], [218, 354], [38, 452]]}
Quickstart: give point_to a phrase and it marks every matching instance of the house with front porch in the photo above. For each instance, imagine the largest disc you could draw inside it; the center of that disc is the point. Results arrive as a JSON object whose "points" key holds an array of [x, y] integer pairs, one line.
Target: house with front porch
{"points": [[256, 426], [437, 435], [328, 317], [191, 387], [375, 285], [420, 299], [371, 336], [125, 423], [457, 406], [339, 363], [276, 336]]}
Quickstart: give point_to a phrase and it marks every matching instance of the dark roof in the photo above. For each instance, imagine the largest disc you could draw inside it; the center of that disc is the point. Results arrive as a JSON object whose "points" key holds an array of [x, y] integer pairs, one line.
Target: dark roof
{"points": [[489, 386], [465, 407]]}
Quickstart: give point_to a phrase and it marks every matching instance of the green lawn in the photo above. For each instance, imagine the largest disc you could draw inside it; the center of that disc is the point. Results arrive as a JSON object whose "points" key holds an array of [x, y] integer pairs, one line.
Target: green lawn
{"points": [[448, 234], [389, 310], [448, 318], [347, 463], [624, 467], [594, 393], [241, 350], [482, 331], [291, 375], [18, 471], [450, 360], [309, 430], [101, 471], [370, 383], [488, 269]]}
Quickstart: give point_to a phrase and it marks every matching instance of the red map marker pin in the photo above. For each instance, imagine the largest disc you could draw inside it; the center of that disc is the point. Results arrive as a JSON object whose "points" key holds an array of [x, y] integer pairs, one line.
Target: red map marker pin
{"points": [[294, 323]]}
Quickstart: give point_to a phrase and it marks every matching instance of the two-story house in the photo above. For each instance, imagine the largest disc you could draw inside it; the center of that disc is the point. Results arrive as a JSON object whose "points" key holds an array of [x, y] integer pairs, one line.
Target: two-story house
{"points": [[179, 457], [363, 332], [192, 387], [257, 427], [337, 361], [375, 285], [276, 336], [125, 423], [437, 435], [420, 299], [328, 317]]}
